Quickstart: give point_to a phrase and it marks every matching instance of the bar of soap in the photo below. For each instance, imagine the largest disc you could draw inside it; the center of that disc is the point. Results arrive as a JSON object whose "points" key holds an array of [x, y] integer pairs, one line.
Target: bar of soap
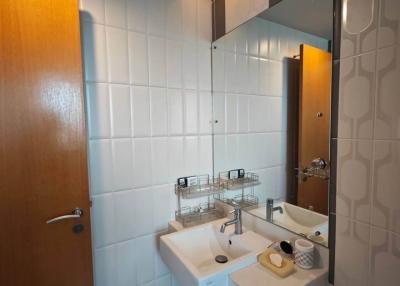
{"points": [[276, 259], [286, 268]]}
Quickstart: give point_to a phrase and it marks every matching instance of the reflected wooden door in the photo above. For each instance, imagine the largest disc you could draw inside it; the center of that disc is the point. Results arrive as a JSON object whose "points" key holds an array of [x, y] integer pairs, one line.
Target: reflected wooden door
{"points": [[314, 123], [43, 160]]}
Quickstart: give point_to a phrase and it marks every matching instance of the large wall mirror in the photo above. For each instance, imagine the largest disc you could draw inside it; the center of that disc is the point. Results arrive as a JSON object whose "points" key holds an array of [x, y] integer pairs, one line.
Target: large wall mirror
{"points": [[272, 79]]}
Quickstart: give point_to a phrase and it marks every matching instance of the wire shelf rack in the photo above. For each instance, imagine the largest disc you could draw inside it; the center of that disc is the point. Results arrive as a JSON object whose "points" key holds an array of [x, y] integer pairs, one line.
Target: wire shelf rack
{"points": [[248, 180], [245, 201], [204, 187]]}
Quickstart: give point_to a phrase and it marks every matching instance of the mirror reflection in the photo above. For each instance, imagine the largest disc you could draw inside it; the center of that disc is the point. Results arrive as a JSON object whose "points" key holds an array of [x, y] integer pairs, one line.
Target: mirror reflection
{"points": [[271, 106]]}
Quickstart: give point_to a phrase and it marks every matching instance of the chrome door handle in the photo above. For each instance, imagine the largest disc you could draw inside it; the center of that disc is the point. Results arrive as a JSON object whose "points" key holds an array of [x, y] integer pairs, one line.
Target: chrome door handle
{"points": [[76, 213]]}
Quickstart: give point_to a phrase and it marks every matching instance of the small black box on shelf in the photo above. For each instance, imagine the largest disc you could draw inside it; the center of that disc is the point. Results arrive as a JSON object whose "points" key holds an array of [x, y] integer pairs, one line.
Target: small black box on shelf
{"points": [[185, 182], [233, 174]]}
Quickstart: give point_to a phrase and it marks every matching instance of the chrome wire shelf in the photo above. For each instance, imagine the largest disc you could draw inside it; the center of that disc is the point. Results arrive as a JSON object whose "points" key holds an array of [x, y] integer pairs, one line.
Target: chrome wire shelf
{"points": [[248, 180], [247, 201], [204, 187], [191, 216]]}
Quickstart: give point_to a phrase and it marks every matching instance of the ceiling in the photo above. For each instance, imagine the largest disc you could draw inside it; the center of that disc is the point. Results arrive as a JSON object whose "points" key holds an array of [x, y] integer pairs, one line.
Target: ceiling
{"points": [[310, 16]]}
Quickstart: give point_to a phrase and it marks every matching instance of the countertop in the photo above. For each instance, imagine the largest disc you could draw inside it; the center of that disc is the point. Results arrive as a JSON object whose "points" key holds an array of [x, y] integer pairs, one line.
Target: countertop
{"points": [[257, 275]]}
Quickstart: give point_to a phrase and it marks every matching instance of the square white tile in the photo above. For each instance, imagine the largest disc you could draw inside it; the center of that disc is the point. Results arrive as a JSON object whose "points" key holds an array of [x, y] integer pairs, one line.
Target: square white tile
{"points": [[191, 111], [94, 52], [125, 215], [121, 110], [189, 66], [175, 111], [218, 69], [174, 19], [156, 17], [146, 265], [137, 15], [103, 220], [231, 113], [174, 64], [205, 154], [117, 55], [142, 162], [160, 171], [159, 111], [204, 68], [141, 111], [115, 13], [125, 263], [104, 267], [122, 164], [144, 211], [101, 166], [138, 59], [162, 208], [98, 110], [219, 112], [175, 153], [205, 112], [157, 61], [191, 155], [243, 113]]}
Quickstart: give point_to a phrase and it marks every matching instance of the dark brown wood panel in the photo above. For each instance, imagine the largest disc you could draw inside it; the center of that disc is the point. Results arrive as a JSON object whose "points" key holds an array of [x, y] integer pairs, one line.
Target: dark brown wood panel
{"points": [[218, 16], [293, 76], [43, 156]]}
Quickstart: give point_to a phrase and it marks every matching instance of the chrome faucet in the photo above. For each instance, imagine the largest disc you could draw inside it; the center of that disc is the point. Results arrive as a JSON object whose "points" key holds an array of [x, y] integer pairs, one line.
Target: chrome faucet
{"points": [[237, 219], [271, 209]]}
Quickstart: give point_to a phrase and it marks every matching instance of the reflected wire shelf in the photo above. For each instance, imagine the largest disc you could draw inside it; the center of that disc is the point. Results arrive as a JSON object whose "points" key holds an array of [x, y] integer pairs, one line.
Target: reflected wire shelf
{"points": [[248, 180], [248, 201]]}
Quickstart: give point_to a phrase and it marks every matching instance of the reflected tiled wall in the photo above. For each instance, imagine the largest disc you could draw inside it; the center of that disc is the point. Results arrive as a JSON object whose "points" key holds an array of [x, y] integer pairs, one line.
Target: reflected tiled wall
{"points": [[238, 12], [250, 100], [148, 81], [368, 176]]}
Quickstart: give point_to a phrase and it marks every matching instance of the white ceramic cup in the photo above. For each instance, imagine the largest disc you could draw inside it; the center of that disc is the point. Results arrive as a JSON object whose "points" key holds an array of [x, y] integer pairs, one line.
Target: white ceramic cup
{"points": [[304, 253]]}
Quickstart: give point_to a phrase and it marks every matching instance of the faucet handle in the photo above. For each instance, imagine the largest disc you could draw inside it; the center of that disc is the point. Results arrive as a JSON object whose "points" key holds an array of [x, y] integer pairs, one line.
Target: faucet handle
{"points": [[234, 211], [235, 205], [275, 200]]}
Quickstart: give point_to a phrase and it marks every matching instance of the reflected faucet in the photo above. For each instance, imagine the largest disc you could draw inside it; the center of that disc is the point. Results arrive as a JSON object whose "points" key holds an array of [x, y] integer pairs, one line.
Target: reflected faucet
{"points": [[271, 209], [237, 219]]}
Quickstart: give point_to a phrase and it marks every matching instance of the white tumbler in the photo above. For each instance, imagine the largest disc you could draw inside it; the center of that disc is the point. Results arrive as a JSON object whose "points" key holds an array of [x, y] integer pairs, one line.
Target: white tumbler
{"points": [[304, 253]]}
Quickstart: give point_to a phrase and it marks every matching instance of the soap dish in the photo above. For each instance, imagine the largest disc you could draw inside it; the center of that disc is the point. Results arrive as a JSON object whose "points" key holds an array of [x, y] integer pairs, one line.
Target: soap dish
{"points": [[287, 265]]}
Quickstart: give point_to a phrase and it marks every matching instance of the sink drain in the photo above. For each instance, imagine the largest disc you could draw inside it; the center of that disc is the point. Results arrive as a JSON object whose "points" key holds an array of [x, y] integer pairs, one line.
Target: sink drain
{"points": [[221, 259]]}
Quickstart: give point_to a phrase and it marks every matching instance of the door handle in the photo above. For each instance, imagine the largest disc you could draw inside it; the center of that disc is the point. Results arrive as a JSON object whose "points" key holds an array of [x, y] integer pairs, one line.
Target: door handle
{"points": [[76, 213]]}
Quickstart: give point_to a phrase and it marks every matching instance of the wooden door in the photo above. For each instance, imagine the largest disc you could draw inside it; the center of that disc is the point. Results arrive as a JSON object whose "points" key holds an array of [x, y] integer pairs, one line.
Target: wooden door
{"points": [[314, 130], [43, 160]]}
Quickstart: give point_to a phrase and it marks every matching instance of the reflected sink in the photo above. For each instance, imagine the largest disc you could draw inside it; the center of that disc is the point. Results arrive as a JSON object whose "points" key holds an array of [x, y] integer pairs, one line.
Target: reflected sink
{"points": [[190, 253], [298, 220]]}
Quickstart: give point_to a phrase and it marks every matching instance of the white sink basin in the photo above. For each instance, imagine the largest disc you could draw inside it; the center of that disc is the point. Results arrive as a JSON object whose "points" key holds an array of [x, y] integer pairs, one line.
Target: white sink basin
{"points": [[190, 253], [298, 220]]}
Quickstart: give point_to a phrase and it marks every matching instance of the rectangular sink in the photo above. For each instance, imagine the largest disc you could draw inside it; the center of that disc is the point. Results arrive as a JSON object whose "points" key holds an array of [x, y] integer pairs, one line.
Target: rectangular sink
{"points": [[190, 253]]}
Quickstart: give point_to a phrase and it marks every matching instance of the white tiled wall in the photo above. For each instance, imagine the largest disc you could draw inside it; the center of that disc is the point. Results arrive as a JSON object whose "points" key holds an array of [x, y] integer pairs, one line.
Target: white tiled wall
{"points": [[250, 100], [148, 90], [368, 184]]}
